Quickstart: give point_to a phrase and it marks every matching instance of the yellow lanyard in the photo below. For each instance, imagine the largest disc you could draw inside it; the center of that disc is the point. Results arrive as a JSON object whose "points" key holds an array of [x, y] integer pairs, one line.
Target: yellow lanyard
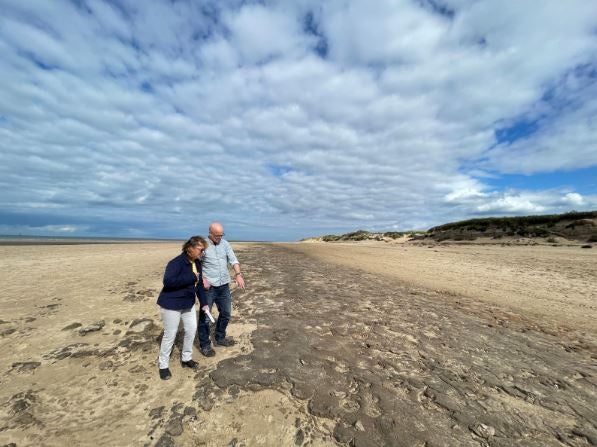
{"points": [[194, 269]]}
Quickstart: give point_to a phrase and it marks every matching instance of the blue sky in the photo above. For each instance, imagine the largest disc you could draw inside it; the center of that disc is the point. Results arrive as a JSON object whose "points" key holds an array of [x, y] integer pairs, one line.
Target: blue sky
{"points": [[288, 119]]}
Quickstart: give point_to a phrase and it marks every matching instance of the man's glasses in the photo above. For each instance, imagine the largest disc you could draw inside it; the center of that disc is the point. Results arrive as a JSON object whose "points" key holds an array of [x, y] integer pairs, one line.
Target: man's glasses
{"points": [[218, 235]]}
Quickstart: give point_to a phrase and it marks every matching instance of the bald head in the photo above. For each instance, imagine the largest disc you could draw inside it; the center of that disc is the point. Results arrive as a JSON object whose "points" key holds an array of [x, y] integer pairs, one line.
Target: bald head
{"points": [[216, 232]]}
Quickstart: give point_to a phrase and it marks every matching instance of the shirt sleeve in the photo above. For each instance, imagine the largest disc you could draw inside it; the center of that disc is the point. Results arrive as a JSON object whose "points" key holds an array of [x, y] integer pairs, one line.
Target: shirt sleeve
{"points": [[230, 255]]}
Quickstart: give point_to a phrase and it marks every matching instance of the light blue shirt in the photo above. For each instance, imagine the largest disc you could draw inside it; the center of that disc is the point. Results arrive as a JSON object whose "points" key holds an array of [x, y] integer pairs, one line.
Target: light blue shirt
{"points": [[215, 261]]}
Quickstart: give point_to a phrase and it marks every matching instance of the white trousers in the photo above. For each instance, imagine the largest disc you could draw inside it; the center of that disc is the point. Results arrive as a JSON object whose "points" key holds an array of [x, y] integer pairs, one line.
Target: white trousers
{"points": [[171, 320]]}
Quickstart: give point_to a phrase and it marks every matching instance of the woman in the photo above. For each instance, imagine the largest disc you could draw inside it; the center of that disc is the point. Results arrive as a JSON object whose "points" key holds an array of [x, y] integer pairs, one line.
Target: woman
{"points": [[183, 283]]}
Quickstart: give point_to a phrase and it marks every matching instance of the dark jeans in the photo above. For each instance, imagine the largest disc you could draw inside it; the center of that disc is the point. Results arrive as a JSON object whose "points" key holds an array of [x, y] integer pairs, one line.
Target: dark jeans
{"points": [[220, 296]]}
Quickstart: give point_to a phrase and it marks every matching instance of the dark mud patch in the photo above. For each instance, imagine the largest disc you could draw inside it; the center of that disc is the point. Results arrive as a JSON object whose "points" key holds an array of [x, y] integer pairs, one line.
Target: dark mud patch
{"points": [[72, 326], [7, 332], [143, 336], [93, 327], [25, 366], [21, 410], [396, 366]]}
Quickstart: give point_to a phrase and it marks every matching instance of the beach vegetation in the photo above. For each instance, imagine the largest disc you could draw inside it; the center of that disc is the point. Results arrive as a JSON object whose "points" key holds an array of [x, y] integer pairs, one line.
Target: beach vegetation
{"points": [[573, 225], [363, 235], [518, 221], [581, 226], [330, 238]]}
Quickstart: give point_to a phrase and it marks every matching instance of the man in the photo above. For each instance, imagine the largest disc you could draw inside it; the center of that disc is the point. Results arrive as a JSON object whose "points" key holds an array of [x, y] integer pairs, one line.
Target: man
{"points": [[216, 258]]}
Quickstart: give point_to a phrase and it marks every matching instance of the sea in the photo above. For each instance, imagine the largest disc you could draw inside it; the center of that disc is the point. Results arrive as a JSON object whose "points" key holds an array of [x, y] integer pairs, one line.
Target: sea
{"points": [[66, 240]]}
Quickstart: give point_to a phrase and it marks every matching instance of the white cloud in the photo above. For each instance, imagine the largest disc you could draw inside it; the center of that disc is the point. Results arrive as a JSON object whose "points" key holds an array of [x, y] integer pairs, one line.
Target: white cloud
{"points": [[574, 199], [567, 133], [516, 204], [33, 230], [165, 116], [385, 33], [259, 34]]}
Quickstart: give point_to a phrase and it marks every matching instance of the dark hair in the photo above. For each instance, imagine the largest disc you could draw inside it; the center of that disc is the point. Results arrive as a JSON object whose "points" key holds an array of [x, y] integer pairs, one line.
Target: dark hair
{"points": [[193, 242]]}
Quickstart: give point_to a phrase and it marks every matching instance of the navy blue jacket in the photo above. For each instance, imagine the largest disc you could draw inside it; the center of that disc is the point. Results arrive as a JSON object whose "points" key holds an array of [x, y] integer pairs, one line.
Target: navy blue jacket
{"points": [[179, 291]]}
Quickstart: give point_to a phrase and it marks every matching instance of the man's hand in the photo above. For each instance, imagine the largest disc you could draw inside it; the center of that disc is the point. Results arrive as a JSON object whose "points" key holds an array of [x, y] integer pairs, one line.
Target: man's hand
{"points": [[206, 284], [240, 281], [205, 308]]}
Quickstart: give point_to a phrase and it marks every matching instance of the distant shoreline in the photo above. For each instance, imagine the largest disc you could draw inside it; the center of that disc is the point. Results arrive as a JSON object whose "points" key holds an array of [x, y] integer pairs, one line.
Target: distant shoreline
{"points": [[8, 240], [66, 240]]}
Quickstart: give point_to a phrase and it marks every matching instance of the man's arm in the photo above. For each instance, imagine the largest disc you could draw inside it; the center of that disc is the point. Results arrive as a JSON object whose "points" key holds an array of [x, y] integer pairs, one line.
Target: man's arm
{"points": [[200, 289], [230, 256], [206, 284], [238, 277]]}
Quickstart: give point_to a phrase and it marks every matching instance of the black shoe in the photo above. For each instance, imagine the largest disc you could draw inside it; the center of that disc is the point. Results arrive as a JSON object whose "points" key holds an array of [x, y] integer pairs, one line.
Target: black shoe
{"points": [[165, 374], [208, 352], [190, 364], [225, 342]]}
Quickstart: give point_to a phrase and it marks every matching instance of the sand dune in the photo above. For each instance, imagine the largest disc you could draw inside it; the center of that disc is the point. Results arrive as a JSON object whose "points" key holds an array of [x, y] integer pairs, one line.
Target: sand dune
{"points": [[363, 345]]}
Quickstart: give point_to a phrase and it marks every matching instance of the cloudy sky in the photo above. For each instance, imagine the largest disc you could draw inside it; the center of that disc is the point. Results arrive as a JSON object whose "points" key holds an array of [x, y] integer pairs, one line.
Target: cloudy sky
{"points": [[292, 118]]}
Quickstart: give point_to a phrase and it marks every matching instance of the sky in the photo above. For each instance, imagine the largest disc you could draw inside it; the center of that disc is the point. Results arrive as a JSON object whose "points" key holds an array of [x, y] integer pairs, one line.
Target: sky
{"points": [[289, 119]]}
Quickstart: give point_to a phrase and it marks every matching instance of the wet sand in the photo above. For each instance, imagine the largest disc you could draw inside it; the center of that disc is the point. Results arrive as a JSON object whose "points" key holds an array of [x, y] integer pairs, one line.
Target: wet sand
{"points": [[331, 350]]}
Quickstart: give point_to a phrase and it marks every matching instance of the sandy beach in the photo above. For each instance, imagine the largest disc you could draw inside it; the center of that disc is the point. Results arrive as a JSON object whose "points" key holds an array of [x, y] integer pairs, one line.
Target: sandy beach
{"points": [[337, 344], [551, 286]]}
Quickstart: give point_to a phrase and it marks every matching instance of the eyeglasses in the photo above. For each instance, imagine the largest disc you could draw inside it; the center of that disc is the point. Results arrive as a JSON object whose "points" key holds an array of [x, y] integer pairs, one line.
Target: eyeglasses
{"points": [[218, 235]]}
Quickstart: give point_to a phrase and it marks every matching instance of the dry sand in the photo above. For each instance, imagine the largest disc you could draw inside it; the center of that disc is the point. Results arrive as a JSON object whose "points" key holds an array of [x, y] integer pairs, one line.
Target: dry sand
{"points": [[336, 344]]}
